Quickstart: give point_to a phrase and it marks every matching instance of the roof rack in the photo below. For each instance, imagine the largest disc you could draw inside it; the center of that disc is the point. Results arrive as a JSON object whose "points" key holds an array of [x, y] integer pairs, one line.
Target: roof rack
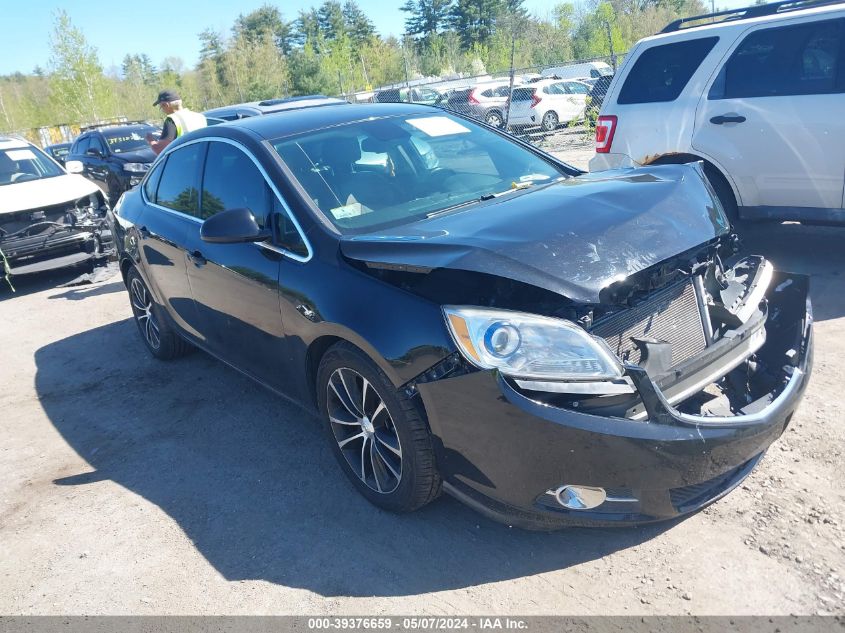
{"points": [[746, 13], [92, 126]]}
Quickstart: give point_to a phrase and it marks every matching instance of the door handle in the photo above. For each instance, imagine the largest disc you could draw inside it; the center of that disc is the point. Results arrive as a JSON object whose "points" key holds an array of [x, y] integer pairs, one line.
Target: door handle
{"points": [[197, 258], [727, 118]]}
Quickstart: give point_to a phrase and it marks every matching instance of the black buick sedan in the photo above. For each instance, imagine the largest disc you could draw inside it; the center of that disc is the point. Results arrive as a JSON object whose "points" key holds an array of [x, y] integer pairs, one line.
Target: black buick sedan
{"points": [[468, 314]]}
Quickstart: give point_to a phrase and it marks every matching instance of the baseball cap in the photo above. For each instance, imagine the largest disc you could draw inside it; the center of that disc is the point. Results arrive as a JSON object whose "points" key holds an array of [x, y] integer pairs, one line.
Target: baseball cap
{"points": [[166, 96]]}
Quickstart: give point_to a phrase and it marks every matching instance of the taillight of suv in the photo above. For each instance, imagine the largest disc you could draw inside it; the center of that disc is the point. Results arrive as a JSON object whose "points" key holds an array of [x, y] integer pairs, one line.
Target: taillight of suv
{"points": [[535, 99], [471, 98], [605, 128]]}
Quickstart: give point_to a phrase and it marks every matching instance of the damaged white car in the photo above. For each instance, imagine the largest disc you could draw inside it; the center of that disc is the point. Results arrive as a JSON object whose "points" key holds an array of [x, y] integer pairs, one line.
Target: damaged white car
{"points": [[48, 218]]}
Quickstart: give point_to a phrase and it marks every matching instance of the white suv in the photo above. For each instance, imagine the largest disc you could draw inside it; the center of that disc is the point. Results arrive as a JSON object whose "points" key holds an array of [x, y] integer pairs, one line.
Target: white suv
{"points": [[759, 97]]}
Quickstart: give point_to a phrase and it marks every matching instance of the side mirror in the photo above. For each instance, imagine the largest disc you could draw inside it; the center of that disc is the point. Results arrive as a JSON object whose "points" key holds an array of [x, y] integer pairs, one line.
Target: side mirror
{"points": [[233, 226], [74, 167], [93, 151]]}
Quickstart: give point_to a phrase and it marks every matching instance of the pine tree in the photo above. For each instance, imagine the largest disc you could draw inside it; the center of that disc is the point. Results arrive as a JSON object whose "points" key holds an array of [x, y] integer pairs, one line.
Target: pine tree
{"points": [[358, 25], [426, 17], [267, 19]]}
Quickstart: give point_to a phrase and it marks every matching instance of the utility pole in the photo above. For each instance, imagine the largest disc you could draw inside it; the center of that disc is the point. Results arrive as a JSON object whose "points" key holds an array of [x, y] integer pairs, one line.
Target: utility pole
{"points": [[405, 59], [610, 43], [510, 85]]}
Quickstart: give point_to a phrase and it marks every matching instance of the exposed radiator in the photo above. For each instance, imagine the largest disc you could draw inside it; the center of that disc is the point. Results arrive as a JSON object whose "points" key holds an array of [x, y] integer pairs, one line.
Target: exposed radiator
{"points": [[670, 315]]}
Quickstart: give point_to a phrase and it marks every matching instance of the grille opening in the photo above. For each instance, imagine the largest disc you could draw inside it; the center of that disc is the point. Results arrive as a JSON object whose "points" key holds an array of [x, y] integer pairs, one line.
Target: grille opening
{"points": [[670, 314]]}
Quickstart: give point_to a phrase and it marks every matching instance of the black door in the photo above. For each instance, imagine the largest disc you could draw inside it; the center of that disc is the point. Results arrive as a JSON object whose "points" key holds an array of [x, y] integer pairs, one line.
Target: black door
{"points": [[172, 193], [235, 286], [96, 162]]}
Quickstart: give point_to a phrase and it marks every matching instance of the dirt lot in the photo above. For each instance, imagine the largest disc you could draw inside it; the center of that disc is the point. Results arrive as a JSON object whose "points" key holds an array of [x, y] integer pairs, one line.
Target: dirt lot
{"points": [[133, 486]]}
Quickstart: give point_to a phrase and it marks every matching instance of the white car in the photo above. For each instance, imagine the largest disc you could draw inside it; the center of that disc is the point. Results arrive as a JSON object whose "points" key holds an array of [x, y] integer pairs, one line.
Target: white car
{"points": [[582, 71], [48, 218], [758, 97], [548, 104]]}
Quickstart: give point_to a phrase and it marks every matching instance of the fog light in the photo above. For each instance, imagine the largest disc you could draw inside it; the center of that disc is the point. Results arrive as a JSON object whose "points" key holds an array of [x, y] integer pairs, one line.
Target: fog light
{"points": [[579, 497]]}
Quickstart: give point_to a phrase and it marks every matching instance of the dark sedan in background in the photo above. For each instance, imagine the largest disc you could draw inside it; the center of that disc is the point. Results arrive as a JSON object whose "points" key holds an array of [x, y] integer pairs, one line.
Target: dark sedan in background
{"points": [[58, 151], [114, 157], [468, 314]]}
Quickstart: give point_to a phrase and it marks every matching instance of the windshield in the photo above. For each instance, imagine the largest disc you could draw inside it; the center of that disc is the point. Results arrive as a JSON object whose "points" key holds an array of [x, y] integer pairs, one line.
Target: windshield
{"points": [[377, 173], [129, 139], [25, 163]]}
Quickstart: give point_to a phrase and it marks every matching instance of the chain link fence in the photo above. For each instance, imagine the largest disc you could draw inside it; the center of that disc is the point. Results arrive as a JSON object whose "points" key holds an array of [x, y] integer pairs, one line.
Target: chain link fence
{"points": [[554, 107]]}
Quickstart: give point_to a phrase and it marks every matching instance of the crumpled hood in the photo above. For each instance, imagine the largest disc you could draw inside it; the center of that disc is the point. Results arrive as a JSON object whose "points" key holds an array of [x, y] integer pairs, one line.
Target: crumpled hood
{"points": [[574, 238], [34, 194]]}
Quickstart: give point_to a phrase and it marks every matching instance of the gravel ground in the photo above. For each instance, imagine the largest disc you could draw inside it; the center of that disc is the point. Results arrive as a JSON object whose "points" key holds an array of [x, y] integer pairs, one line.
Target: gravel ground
{"points": [[131, 486]]}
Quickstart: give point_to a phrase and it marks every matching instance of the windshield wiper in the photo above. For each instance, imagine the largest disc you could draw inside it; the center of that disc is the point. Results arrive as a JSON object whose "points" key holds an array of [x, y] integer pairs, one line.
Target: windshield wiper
{"points": [[516, 186]]}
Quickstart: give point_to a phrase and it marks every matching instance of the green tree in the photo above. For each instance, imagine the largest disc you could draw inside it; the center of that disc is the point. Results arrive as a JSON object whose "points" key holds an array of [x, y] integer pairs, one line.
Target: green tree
{"points": [[266, 20], [306, 27], [426, 18], [475, 20], [76, 77], [331, 20], [358, 25]]}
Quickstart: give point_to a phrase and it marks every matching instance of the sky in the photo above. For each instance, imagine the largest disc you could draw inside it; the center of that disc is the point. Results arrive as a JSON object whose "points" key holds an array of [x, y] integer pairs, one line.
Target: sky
{"points": [[164, 28]]}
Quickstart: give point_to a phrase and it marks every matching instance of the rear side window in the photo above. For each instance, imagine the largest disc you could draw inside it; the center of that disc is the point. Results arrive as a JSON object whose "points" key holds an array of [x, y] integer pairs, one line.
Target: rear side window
{"points": [[792, 60], [660, 73], [178, 188], [522, 94]]}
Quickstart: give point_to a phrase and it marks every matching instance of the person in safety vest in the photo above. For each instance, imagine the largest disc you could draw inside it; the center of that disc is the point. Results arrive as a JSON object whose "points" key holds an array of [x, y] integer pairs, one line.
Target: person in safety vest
{"points": [[179, 120]]}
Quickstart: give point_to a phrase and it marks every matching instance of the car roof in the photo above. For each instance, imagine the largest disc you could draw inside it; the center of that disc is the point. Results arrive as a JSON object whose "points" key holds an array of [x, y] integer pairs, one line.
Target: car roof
{"points": [[269, 106], [309, 119], [10, 142]]}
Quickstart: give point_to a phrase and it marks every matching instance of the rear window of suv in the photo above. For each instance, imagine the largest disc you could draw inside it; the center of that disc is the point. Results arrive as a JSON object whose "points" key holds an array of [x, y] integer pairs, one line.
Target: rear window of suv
{"points": [[801, 59], [661, 72]]}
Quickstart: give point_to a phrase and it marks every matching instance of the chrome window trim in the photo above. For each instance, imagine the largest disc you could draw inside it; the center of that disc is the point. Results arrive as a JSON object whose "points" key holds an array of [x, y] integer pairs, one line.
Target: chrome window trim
{"points": [[273, 247]]}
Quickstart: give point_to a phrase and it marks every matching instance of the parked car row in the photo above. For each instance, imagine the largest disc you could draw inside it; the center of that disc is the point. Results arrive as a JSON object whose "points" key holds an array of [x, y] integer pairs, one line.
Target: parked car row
{"points": [[555, 97]]}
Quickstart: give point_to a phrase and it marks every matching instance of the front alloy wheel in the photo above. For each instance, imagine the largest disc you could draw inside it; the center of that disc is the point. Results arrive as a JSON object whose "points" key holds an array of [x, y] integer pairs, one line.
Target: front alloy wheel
{"points": [[378, 434], [364, 430]]}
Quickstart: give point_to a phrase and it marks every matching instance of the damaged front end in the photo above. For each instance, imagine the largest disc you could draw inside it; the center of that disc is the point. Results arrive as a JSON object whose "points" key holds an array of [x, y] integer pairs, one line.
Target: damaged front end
{"points": [[708, 362], [54, 236]]}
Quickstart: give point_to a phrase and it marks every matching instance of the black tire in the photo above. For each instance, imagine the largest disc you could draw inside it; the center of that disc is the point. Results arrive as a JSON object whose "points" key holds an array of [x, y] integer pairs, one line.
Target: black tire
{"points": [[723, 192], [550, 121], [418, 481], [159, 336], [495, 119]]}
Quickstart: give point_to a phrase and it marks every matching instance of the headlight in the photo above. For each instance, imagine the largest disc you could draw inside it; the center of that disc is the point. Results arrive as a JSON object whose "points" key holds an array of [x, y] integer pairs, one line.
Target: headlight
{"points": [[530, 346], [136, 168]]}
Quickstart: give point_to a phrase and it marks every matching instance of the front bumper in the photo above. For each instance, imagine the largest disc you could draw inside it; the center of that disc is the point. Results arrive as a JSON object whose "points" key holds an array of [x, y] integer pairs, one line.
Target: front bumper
{"points": [[501, 450]]}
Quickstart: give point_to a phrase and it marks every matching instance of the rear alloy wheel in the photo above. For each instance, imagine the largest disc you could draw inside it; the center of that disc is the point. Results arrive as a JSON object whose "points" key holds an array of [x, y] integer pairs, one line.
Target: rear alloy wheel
{"points": [[494, 119], [550, 121], [161, 339], [378, 436]]}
